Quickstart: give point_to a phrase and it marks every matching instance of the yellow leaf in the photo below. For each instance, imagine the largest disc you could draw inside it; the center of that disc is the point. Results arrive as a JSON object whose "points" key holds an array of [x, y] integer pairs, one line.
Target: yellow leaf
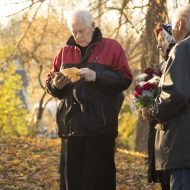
{"points": [[72, 73]]}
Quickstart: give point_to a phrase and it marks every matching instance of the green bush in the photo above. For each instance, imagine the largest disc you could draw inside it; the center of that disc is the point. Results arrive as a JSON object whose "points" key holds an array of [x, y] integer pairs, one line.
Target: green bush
{"points": [[13, 116], [127, 120]]}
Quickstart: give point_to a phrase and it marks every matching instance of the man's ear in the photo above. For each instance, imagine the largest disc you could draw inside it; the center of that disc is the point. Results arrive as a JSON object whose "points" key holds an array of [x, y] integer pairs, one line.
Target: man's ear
{"points": [[181, 24]]}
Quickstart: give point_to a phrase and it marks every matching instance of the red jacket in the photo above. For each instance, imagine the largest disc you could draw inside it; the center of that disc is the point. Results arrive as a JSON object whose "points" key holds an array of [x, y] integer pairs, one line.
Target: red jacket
{"points": [[90, 108]]}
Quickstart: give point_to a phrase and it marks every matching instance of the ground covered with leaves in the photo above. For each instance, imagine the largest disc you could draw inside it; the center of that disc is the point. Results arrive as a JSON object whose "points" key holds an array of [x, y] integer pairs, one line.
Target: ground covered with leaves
{"points": [[32, 164]]}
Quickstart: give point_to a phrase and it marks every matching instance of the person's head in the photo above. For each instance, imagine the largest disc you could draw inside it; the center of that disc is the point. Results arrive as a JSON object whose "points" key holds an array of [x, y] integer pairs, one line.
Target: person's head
{"points": [[164, 38], [181, 22], [81, 25]]}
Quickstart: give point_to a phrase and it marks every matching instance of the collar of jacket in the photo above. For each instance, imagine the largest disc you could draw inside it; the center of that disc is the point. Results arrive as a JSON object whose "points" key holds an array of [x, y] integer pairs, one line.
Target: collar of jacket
{"points": [[180, 41], [187, 35], [97, 36]]}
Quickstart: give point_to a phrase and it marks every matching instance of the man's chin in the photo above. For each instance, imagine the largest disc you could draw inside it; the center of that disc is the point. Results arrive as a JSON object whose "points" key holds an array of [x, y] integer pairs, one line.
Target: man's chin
{"points": [[82, 44]]}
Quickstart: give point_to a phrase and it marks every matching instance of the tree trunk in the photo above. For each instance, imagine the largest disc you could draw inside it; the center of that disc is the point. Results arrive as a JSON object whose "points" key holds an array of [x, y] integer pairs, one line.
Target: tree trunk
{"points": [[99, 12], [157, 12], [38, 114], [141, 135]]}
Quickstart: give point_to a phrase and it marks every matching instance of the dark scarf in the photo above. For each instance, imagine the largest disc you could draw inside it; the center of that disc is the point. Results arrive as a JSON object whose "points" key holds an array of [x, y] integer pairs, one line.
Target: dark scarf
{"points": [[97, 36]]}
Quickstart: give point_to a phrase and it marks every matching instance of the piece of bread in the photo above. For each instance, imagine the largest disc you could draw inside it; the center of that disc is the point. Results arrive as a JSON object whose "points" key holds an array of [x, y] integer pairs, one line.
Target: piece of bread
{"points": [[71, 73]]}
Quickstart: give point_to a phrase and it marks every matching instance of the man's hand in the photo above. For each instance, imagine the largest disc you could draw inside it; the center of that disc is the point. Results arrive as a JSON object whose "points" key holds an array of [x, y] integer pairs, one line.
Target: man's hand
{"points": [[87, 74], [59, 80]]}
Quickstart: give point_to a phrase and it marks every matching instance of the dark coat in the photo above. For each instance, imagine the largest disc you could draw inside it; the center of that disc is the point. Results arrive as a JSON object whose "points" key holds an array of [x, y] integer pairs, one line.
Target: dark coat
{"points": [[91, 108], [172, 110]]}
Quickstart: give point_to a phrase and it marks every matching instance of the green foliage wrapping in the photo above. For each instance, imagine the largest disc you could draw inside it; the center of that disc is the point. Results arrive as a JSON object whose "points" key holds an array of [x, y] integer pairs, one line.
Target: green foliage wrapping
{"points": [[13, 116], [144, 101]]}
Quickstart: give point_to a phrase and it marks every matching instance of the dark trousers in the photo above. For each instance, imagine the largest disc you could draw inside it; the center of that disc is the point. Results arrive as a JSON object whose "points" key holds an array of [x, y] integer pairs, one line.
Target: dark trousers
{"points": [[180, 179], [87, 163], [165, 187]]}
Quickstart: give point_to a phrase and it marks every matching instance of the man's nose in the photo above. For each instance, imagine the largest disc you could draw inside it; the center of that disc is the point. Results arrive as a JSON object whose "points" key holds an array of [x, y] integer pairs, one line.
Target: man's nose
{"points": [[78, 35]]}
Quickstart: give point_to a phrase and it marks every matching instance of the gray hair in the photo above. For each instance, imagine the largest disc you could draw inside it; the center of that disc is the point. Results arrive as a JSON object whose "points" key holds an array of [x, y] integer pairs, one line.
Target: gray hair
{"points": [[80, 14], [184, 14]]}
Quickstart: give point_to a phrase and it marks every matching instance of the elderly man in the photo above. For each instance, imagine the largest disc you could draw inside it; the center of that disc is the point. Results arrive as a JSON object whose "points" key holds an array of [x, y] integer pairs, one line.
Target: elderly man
{"points": [[87, 116], [172, 107]]}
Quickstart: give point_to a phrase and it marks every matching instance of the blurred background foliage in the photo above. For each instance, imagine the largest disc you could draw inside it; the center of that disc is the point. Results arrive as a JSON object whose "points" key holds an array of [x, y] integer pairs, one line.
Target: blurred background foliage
{"points": [[13, 115], [31, 34]]}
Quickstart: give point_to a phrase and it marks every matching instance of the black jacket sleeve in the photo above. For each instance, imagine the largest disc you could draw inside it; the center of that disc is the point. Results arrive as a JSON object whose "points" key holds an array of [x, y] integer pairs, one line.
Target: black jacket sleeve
{"points": [[57, 93]]}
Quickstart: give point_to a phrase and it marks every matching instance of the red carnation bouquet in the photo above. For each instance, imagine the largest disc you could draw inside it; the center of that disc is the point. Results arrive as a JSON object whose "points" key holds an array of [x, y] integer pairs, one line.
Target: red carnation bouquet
{"points": [[146, 88]]}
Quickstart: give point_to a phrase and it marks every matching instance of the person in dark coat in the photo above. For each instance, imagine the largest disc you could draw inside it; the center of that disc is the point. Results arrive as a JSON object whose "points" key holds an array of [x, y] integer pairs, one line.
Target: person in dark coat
{"points": [[165, 43], [172, 107], [87, 116]]}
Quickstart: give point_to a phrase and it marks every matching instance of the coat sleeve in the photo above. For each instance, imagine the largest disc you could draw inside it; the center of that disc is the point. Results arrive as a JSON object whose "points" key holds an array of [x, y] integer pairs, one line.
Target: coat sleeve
{"points": [[118, 78], [50, 88], [175, 88]]}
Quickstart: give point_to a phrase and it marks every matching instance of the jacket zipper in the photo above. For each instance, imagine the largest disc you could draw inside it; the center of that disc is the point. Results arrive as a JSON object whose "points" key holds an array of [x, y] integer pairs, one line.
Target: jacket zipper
{"points": [[87, 49]]}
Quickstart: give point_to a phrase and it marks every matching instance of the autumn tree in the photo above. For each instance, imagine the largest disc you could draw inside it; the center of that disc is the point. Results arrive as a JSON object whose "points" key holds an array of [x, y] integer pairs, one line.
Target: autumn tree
{"points": [[35, 36], [13, 117], [156, 13], [35, 40]]}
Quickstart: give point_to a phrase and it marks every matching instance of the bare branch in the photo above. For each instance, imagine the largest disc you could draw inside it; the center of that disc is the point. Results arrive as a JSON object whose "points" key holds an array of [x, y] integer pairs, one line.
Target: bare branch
{"points": [[27, 7], [24, 35], [41, 108], [48, 102]]}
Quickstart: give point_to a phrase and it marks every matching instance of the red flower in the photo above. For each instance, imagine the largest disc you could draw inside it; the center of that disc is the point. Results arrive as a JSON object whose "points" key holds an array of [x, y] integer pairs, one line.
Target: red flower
{"points": [[149, 86], [148, 77], [138, 91], [137, 87], [144, 94], [159, 73], [149, 71]]}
